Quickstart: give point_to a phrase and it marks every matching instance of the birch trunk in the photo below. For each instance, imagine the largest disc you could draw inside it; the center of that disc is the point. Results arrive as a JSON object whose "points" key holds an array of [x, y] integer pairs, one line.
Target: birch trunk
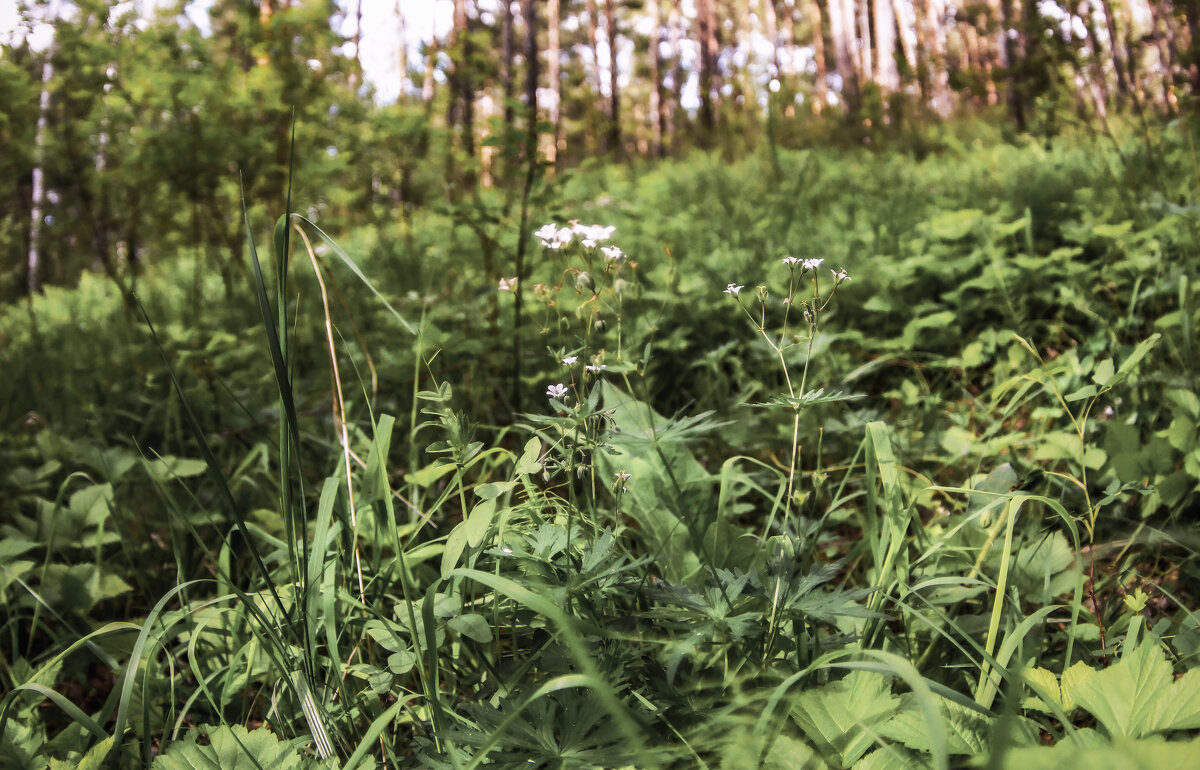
{"points": [[886, 74], [38, 202]]}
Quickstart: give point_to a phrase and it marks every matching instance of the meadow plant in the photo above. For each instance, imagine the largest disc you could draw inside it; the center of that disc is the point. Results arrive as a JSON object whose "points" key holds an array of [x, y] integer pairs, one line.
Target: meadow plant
{"points": [[774, 321]]}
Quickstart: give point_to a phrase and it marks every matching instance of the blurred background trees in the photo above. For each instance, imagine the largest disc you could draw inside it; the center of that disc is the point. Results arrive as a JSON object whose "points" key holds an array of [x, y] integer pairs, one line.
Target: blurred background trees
{"points": [[130, 128]]}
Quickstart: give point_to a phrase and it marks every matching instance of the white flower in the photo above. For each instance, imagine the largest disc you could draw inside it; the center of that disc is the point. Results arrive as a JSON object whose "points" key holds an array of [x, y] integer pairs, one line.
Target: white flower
{"points": [[812, 264], [791, 261], [612, 252], [595, 369], [733, 289], [546, 233], [570, 360], [508, 284], [593, 234], [622, 476], [840, 275], [557, 390]]}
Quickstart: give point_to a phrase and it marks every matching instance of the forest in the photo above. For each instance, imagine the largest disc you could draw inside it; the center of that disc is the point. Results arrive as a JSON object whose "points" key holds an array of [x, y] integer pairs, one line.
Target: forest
{"points": [[599, 384]]}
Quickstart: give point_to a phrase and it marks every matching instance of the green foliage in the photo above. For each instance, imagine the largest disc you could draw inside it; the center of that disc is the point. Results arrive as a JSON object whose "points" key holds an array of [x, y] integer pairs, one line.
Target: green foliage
{"points": [[962, 490]]}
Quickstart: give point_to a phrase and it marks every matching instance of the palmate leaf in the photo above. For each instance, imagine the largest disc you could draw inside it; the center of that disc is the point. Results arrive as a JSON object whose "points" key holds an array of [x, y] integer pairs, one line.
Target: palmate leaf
{"points": [[229, 748], [1136, 696], [1122, 754], [844, 717], [811, 398]]}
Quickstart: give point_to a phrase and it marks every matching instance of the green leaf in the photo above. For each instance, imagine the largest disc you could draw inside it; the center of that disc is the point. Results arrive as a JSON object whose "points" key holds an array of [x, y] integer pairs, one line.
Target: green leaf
{"points": [[456, 543], [528, 464], [842, 718], [471, 626], [476, 526], [1130, 364], [1126, 697], [1104, 373], [1179, 707], [229, 748], [168, 467]]}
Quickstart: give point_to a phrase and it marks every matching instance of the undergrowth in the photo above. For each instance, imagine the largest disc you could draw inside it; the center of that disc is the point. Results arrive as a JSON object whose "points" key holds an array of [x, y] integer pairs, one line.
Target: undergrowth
{"points": [[856, 462]]}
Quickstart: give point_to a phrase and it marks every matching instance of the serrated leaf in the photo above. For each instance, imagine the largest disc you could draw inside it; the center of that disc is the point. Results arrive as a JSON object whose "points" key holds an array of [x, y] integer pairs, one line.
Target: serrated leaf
{"points": [[966, 730], [1125, 697], [1047, 683], [229, 748], [842, 718], [1179, 708], [1072, 678]]}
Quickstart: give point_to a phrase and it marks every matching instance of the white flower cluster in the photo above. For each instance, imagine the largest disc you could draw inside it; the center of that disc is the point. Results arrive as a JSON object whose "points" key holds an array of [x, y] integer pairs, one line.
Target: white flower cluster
{"points": [[804, 264], [590, 236], [554, 237]]}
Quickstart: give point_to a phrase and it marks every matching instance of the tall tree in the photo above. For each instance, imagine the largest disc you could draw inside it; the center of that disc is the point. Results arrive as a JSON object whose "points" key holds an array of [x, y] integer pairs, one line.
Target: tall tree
{"points": [[821, 88], [939, 73], [507, 50], [675, 37], [614, 94], [841, 33], [706, 30], [461, 112], [658, 110], [866, 67], [553, 54], [886, 73], [34, 259]]}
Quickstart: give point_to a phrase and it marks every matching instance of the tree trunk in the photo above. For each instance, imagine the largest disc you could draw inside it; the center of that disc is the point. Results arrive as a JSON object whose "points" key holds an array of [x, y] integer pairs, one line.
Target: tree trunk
{"points": [[401, 50], [506, 60], [841, 33], [356, 73], [1013, 35], [904, 15], [886, 74], [866, 68], [706, 30], [821, 87], [1192, 13], [431, 52], [1168, 54], [552, 55], [1116, 52], [771, 29], [38, 202], [939, 75], [614, 94], [658, 114], [675, 37], [1095, 73], [461, 112], [529, 11]]}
